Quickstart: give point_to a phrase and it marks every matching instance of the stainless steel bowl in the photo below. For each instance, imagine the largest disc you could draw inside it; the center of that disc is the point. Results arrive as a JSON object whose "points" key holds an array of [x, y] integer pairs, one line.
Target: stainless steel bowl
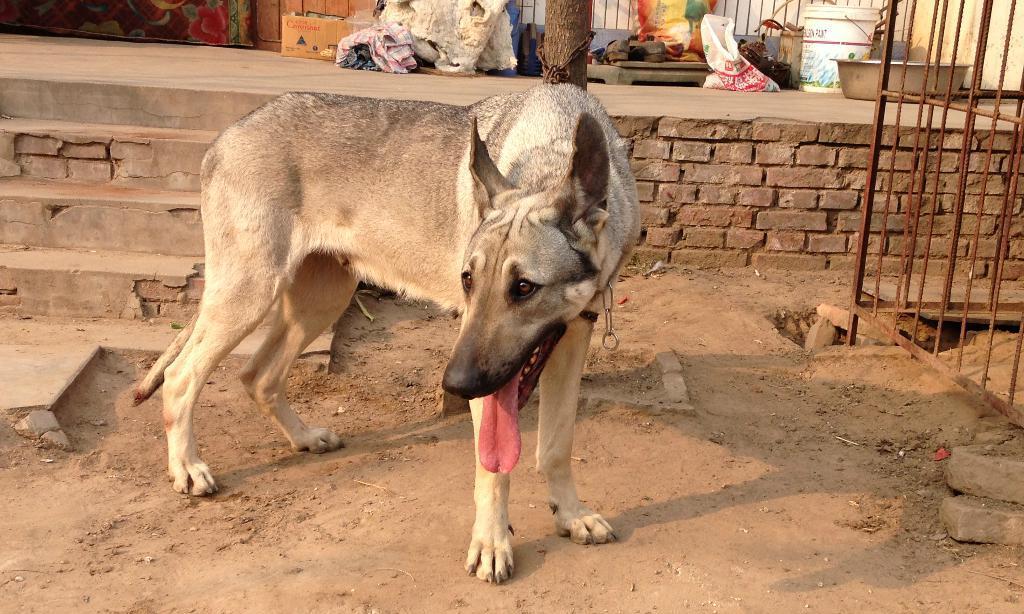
{"points": [[859, 78]]}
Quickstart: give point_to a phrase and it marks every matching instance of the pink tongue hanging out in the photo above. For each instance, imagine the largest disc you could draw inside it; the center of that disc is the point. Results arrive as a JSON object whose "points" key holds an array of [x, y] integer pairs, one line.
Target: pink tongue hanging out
{"points": [[500, 443]]}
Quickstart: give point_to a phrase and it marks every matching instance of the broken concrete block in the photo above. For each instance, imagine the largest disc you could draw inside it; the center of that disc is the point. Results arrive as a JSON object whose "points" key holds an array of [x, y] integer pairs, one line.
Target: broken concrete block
{"points": [[37, 423], [821, 335], [675, 388], [840, 318], [668, 362], [985, 473], [985, 521], [56, 439]]}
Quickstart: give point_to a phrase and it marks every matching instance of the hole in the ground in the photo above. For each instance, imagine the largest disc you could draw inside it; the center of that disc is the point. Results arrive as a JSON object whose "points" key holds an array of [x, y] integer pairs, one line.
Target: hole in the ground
{"points": [[793, 324]]}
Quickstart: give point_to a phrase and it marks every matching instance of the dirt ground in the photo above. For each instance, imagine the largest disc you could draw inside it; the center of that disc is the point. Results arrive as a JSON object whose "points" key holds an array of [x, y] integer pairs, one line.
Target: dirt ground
{"points": [[749, 503]]}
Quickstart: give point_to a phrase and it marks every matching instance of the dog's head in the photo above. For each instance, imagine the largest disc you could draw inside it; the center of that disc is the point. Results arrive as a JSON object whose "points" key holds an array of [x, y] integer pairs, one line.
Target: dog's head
{"points": [[531, 267]]}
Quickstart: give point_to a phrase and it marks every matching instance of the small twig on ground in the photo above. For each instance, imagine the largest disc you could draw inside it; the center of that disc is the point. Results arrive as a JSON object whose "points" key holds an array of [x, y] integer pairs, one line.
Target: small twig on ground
{"points": [[377, 486], [362, 308], [845, 440], [396, 569], [994, 577]]}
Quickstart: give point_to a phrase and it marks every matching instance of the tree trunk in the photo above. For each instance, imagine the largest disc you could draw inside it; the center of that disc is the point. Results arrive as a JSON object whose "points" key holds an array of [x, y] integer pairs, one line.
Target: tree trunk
{"points": [[566, 26]]}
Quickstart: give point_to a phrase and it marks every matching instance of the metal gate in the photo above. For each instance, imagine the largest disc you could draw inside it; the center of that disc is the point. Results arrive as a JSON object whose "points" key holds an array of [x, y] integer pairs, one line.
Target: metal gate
{"points": [[940, 251]]}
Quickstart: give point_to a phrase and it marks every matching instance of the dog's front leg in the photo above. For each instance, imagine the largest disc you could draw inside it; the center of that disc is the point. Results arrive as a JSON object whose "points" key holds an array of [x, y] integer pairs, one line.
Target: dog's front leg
{"points": [[559, 396], [490, 550]]}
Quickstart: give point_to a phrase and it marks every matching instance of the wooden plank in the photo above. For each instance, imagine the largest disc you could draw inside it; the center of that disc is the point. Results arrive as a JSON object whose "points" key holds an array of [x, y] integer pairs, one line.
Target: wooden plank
{"points": [[315, 6], [336, 7], [268, 21]]}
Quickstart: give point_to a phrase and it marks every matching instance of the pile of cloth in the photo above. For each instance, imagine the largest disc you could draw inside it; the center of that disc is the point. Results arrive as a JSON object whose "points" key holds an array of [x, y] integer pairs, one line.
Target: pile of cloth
{"points": [[385, 47]]}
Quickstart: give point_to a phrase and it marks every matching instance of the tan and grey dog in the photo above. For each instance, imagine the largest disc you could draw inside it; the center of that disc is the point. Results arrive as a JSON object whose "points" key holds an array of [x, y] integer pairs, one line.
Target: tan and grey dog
{"points": [[517, 211]]}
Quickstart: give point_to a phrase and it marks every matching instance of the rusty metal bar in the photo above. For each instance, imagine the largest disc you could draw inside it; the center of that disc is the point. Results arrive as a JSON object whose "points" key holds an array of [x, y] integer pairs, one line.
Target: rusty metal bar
{"points": [[869, 189]]}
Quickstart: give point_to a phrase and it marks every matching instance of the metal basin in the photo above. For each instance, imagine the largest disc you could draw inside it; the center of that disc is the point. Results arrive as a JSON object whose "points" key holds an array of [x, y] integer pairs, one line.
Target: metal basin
{"points": [[859, 78]]}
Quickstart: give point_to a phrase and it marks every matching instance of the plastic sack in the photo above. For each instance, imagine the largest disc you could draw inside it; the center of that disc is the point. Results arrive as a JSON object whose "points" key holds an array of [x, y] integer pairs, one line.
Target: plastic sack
{"points": [[676, 23], [732, 71]]}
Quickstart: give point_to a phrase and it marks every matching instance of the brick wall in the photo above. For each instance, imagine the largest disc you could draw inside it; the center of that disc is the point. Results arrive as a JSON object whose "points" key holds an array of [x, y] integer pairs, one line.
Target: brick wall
{"points": [[782, 194]]}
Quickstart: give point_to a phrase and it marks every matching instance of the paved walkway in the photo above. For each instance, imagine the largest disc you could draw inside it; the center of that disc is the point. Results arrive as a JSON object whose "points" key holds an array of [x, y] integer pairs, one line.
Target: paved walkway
{"points": [[245, 70]]}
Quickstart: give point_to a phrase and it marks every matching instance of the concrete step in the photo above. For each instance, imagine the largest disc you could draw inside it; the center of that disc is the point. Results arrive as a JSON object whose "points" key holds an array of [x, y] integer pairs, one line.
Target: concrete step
{"points": [[139, 156], [108, 217], [79, 283], [129, 103]]}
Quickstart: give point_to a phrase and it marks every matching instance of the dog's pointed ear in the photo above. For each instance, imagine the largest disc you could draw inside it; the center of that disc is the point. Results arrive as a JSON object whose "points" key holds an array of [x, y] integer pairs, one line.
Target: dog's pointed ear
{"points": [[487, 179], [585, 187]]}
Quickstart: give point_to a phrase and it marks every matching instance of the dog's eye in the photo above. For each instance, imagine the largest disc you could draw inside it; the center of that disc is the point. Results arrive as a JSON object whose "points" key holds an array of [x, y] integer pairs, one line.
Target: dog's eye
{"points": [[467, 281], [522, 288]]}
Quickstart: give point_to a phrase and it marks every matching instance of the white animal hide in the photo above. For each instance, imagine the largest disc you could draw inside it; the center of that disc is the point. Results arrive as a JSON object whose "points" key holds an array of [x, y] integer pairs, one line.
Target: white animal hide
{"points": [[457, 35]]}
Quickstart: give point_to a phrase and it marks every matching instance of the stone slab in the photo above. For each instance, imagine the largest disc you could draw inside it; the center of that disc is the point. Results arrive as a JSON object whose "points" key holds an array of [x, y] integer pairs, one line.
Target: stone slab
{"points": [[984, 472], [984, 521], [35, 376]]}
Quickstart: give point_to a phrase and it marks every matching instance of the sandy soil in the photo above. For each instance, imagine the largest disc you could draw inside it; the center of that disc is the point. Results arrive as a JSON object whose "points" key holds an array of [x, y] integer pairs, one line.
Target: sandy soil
{"points": [[750, 503]]}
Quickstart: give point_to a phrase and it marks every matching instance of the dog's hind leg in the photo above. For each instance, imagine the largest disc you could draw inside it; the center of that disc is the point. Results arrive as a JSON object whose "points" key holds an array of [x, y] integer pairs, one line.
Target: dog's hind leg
{"points": [[559, 396], [231, 308], [319, 293], [490, 550]]}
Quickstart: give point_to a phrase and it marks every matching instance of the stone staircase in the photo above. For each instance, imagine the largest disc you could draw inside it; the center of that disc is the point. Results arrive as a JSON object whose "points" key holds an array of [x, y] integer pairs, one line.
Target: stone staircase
{"points": [[102, 219]]}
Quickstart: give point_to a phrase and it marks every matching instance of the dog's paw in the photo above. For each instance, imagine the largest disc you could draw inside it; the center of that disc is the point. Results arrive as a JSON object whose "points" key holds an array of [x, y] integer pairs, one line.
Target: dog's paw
{"points": [[192, 477], [583, 526], [317, 441], [490, 554]]}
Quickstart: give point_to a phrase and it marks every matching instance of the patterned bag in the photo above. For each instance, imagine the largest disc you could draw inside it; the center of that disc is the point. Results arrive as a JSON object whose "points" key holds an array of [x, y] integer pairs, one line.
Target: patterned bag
{"points": [[676, 23], [732, 71]]}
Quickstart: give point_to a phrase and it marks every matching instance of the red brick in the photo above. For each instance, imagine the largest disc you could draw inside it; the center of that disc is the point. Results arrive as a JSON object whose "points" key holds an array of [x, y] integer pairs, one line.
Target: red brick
{"points": [[41, 145], [44, 166], [653, 216], [90, 170], [645, 191], [849, 221], [94, 151], [806, 177], [839, 200], [847, 134], [789, 262], [792, 220], [702, 129], [655, 170], [704, 237], [652, 148], [633, 126], [643, 257], [662, 237], [784, 131], [853, 158], [785, 241], [756, 197], [676, 193], [717, 195], [724, 174], [743, 238], [708, 258], [734, 153], [775, 153], [691, 151], [798, 199], [816, 155], [829, 244], [698, 215]]}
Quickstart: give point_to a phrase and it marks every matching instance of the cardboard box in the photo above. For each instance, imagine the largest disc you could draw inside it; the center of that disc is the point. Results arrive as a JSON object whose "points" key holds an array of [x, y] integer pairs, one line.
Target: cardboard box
{"points": [[314, 38]]}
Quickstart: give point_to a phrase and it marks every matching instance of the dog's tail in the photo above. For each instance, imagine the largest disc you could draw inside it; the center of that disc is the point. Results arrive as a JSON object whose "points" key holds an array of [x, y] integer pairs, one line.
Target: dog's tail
{"points": [[155, 377]]}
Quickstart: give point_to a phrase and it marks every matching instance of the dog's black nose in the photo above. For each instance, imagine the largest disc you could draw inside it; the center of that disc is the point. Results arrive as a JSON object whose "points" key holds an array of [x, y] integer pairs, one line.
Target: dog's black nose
{"points": [[464, 381]]}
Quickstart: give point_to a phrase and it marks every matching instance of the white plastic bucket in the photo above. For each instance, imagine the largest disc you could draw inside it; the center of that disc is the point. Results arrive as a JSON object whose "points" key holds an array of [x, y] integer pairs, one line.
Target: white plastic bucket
{"points": [[830, 33]]}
